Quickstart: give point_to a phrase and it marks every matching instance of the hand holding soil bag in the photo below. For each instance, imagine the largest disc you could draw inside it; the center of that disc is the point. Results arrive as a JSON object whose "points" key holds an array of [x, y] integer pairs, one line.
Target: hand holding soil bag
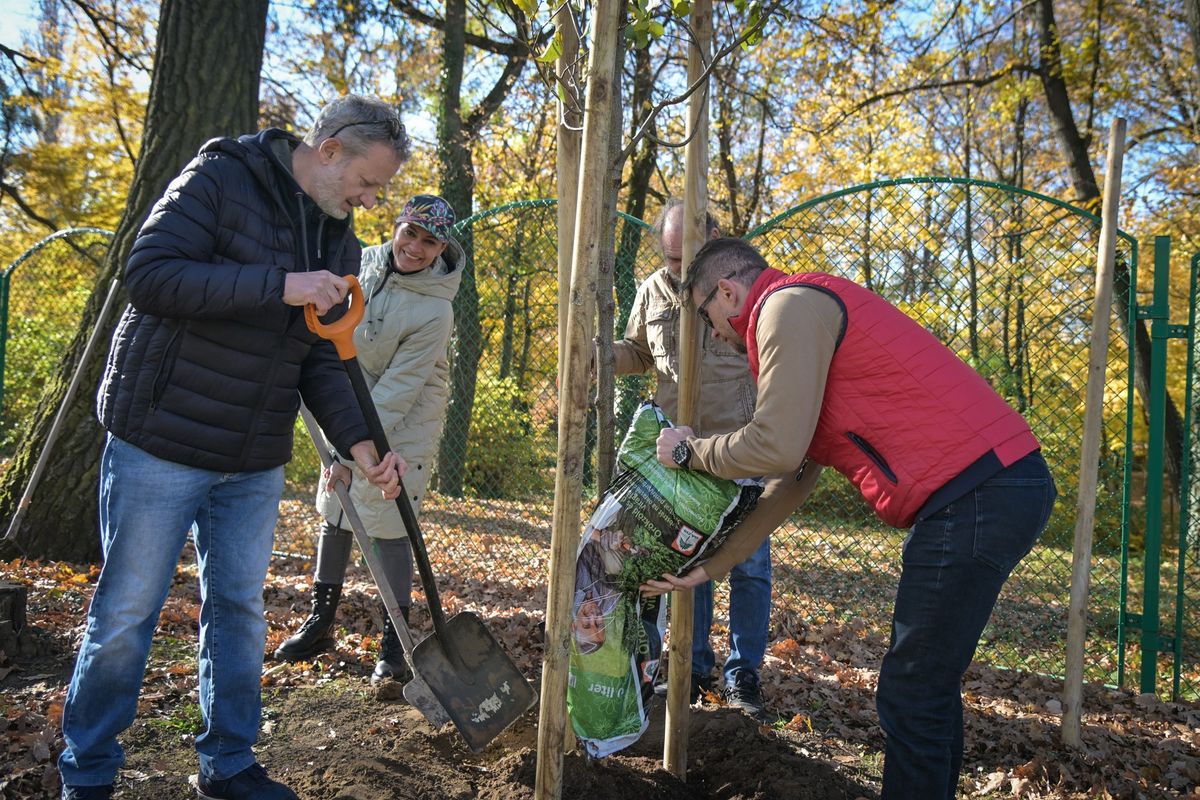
{"points": [[652, 521]]}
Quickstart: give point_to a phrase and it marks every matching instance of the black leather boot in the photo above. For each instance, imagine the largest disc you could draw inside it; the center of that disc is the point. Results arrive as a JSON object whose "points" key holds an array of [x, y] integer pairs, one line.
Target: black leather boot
{"points": [[313, 637], [391, 663]]}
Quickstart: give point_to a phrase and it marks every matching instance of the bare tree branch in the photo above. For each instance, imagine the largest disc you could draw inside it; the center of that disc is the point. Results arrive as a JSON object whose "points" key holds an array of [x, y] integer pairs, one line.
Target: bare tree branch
{"points": [[11, 191], [99, 21], [700, 82], [975, 81], [511, 49], [489, 104]]}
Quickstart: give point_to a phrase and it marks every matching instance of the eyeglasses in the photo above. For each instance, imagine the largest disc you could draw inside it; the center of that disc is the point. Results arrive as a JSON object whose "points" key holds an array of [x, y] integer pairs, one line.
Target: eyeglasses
{"points": [[395, 127], [701, 309]]}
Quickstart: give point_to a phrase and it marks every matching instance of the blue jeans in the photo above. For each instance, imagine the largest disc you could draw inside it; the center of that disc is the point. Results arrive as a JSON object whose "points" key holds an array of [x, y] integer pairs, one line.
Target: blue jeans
{"points": [[147, 506], [954, 563], [749, 617]]}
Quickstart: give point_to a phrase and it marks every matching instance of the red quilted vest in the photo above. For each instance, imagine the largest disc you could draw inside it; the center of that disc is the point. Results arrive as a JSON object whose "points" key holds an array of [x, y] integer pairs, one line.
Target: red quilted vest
{"points": [[902, 415]]}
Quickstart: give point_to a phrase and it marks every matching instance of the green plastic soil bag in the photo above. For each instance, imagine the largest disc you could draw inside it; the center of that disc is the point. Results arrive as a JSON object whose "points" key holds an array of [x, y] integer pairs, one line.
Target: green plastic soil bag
{"points": [[653, 520]]}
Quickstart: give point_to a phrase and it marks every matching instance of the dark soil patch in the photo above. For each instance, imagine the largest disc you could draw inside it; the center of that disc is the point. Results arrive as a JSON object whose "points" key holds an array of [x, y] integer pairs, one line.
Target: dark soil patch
{"points": [[337, 742]]}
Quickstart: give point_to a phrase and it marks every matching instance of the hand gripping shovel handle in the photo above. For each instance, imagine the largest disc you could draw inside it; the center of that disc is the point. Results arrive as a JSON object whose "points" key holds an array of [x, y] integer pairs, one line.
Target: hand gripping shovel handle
{"points": [[341, 333]]}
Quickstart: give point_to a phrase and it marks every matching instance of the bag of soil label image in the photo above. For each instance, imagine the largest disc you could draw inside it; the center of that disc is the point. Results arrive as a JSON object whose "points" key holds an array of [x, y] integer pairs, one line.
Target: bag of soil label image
{"points": [[651, 521]]}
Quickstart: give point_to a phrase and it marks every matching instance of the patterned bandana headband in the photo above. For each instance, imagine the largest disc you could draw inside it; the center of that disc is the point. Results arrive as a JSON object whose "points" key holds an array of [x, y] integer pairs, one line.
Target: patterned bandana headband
{"points": [[429, 212]]}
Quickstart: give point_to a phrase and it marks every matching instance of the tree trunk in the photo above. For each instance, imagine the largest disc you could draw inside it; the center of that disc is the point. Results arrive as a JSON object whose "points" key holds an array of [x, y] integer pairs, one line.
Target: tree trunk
{"points": [[631, 388], [456, 132], [458, 187], [1084, 178], [1193, 18], [206, 70]]}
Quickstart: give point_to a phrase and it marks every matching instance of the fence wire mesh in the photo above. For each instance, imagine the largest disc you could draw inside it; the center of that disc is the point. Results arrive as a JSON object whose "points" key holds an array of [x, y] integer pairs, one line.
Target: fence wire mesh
{"points": [[1004, 277], [42, 296]]}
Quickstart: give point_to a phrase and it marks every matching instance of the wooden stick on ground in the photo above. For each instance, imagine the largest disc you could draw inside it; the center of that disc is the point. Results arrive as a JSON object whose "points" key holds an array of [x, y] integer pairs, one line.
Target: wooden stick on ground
{"points": [[1089, 454]]}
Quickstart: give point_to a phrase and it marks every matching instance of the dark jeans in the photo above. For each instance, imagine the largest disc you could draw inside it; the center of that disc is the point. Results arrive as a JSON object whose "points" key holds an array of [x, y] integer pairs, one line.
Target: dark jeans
{"points": [[955, 562]]}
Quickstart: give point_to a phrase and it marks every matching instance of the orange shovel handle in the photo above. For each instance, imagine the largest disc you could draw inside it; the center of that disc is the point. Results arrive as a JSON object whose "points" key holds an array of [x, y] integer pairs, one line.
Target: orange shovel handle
{"points": [[341, 333]]}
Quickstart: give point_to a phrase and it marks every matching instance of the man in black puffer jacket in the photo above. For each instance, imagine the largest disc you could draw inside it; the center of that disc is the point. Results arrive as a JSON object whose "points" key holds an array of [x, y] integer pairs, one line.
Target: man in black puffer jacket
{"points": [[207, 369]]}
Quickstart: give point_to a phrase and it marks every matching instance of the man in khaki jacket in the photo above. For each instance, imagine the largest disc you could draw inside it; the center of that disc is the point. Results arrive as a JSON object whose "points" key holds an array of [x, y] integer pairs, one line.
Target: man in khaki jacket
{"points": [[726, 403]]}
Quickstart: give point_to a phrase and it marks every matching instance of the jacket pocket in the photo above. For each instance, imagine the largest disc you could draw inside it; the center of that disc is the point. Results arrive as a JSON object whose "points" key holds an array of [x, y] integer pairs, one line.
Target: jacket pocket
{"points": [[662, 331], [873, 454], [166, 366]]}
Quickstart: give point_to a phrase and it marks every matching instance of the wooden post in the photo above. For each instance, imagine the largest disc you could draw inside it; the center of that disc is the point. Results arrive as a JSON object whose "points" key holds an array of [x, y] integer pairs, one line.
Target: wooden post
{"points": [[606, 449], [569, 123], [695, 232], [573, 398], [1089, 454]]}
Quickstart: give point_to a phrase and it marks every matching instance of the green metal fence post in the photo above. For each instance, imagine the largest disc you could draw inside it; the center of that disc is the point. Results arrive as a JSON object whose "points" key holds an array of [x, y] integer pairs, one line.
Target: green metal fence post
{"points": [[1185, 484], [1157, 313]]}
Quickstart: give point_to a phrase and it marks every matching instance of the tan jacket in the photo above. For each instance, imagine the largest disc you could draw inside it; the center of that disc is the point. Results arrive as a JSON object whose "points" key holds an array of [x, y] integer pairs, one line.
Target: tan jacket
{"points": [[401, 345], [727, 394]]}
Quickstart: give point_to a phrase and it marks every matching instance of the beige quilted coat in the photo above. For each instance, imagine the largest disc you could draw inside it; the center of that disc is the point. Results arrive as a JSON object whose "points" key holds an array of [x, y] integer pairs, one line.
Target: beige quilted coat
{"points": [[402, 342]]}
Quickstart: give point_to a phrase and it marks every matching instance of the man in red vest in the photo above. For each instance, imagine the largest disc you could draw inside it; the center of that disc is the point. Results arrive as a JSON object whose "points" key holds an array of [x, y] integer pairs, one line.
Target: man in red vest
{"points": [[849, 381]]}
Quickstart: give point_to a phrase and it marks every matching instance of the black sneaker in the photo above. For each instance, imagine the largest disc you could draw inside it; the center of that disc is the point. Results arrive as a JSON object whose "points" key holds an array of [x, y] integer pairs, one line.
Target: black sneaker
{"points": [[87, 792], [251, 783], [701, 686], [744, 693]]}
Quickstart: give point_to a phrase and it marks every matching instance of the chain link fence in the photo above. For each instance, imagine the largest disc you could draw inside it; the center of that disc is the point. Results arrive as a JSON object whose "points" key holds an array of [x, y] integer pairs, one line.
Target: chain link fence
{"points": [[42, 297], [1004, 277]]}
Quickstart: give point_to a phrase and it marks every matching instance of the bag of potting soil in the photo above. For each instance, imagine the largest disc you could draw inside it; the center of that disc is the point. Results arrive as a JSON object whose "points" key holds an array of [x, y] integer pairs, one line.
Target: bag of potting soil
{"points": [[651, 521]]}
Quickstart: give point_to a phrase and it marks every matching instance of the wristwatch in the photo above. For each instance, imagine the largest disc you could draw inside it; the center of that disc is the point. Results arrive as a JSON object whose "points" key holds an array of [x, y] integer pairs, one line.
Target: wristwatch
{"points": [[681, 454]]}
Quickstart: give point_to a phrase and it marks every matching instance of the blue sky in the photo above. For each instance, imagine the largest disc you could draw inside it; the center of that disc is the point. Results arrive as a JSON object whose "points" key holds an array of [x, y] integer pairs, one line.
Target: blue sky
{"points": [[16, 17]]}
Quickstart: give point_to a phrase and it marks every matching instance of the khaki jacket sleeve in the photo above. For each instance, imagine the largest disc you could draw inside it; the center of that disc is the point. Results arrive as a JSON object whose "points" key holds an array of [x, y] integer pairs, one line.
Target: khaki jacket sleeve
{"points": [[797, 334], [631, 355], [782, 495]]}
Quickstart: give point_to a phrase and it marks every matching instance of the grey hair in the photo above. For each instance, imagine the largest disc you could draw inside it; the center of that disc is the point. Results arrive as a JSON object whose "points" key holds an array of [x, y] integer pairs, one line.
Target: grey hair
{"points": [[710, 222], [359, 122], [727, 257]]}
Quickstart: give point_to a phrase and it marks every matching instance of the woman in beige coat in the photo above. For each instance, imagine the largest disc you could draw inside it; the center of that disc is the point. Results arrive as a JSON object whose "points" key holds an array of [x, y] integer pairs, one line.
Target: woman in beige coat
{"points": [[409, 285]]}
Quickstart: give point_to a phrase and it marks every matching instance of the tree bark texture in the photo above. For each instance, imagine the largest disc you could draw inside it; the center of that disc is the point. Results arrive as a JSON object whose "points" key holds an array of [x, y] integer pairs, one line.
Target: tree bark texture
{"points": [[1193, 17], [208, 56]]}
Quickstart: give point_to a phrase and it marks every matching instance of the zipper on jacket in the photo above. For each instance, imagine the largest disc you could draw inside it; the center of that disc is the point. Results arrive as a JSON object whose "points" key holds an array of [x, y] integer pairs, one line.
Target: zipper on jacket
{"points": [[321, 235], [303, 231], [166, 366], [873, 454]]}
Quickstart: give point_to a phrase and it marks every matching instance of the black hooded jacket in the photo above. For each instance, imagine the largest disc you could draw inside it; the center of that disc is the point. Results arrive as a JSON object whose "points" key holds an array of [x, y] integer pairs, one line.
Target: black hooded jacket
{"points": [[208, 365]]}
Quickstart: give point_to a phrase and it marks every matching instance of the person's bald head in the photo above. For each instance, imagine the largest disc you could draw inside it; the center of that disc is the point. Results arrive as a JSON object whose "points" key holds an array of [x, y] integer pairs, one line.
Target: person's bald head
{"points": [[670, 234]]}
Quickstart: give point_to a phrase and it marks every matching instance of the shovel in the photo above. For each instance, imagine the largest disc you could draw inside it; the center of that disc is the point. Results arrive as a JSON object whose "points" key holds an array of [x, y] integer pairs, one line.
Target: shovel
{"points": [[475, 681], [416, 691]]}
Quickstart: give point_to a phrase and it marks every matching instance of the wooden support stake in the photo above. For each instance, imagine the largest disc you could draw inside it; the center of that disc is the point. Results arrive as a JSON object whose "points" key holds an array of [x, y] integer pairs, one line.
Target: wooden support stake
{"points": [[573, 400], [1089, 454], [695, 209], [569, 123]]}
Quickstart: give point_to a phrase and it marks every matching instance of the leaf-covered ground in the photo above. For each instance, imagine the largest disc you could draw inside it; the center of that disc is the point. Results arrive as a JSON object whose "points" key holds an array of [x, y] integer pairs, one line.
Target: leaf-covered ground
{"points": [[329, 735]]}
